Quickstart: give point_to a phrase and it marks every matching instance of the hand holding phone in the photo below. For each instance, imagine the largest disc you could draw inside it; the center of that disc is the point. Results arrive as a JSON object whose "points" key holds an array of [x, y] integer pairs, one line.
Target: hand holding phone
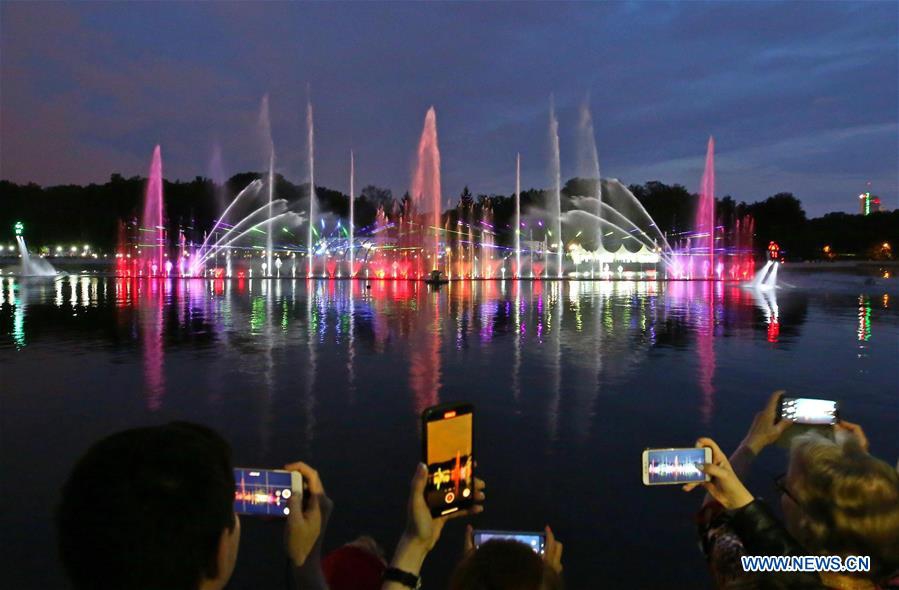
{"points": [[675, 466], [448, 453], [265, 492], [804, 410], [307, 520], [723, 484], [766, 428]]}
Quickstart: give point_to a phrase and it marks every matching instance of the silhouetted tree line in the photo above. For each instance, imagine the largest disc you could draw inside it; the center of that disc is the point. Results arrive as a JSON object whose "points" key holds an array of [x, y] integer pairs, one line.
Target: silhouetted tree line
{"points": [[72, 214]]}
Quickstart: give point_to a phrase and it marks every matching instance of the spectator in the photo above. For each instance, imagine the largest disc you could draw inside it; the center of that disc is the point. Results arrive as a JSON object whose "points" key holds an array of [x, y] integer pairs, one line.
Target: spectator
{"points": [[153, 508], [837, 500], [509, 565]]}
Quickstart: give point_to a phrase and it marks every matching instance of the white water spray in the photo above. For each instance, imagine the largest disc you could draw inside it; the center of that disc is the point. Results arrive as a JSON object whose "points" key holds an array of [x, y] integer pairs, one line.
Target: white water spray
{"points": [[517, 215], [352, 244], [556, 171], [310, 141]]}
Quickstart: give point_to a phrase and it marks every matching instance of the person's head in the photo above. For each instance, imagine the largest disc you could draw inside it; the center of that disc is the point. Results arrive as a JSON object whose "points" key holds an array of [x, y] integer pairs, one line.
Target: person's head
{"points": [[840, 500], [150, 508], [504, 565]]}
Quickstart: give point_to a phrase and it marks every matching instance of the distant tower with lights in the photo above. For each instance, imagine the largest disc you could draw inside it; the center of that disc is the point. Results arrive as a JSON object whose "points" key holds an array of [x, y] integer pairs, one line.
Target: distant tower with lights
{"points": [[868, 203]]}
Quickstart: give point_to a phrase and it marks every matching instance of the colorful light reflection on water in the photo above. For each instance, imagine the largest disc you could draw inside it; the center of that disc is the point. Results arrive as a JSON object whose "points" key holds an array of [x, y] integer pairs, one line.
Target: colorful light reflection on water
{"points": [[566, 377]]}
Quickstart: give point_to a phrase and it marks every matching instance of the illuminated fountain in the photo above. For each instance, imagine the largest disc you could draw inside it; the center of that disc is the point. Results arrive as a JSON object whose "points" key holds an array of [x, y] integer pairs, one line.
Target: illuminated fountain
{"points": [[152, 245], [30, 266], [708, 251], [351, 242], [556, 205], [310, 147], [600, 230], [426, 197]]}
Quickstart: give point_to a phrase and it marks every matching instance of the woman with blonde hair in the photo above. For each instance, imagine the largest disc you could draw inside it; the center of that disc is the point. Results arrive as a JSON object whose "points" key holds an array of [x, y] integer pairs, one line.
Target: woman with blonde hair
{"points": [[837, 500]]}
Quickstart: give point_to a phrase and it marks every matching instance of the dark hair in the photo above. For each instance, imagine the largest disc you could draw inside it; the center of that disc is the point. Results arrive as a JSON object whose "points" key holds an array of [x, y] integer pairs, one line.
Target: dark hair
{"points": [[146, 508], [504, 565]]}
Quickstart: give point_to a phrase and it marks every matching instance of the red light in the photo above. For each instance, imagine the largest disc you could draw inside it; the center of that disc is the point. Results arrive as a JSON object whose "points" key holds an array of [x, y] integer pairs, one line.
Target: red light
{"points": [[449, 415]]}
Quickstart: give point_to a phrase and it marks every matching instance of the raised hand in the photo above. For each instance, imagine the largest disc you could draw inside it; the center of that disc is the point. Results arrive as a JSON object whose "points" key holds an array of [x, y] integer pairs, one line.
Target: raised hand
{"points": [[855, 430], [765, 429], [552, 552], [422, 529], [304, 527]]}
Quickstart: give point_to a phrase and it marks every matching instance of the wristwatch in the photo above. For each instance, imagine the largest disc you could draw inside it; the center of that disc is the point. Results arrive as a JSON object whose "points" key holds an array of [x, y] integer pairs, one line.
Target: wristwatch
{"points": [[393, 574]]}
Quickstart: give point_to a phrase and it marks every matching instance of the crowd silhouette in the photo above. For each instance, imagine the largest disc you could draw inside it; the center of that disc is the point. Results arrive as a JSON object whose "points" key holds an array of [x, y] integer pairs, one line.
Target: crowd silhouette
{"points": [[152, 508]]}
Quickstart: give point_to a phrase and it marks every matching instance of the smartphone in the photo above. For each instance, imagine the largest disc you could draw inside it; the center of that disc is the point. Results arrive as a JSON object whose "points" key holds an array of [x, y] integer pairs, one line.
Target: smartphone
{"points": [[536, 541], [675, 466], [264, 492], [447, 433], [803, 410]]}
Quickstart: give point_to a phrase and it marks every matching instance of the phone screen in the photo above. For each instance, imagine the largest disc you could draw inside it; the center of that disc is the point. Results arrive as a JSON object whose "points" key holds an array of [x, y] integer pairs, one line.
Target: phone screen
{"points": [[261, 492], [668, 466], [535, 541], [449, 458], [804, 410]]}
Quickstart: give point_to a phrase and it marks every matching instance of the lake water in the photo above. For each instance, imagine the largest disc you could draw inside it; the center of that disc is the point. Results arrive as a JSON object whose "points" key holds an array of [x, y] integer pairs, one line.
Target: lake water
{"points": [[571, 381]]}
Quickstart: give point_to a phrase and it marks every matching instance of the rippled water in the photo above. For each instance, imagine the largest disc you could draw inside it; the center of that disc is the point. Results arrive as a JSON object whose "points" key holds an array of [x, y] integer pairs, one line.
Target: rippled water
{"points": [[570, 382]]}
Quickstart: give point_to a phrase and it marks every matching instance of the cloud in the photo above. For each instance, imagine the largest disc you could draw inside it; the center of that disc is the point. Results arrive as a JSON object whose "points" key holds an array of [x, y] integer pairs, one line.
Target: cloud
{"points": [[789, 87]]}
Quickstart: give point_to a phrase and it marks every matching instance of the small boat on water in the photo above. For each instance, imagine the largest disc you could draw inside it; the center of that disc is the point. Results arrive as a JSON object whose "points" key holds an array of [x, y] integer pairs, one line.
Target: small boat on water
{"points": [[436, 278]]}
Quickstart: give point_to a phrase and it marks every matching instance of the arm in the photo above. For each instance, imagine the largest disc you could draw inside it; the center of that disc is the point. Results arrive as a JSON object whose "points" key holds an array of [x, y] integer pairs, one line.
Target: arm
{"points": [[761, 532], [764, 431], [423, 530], [305, 530]]}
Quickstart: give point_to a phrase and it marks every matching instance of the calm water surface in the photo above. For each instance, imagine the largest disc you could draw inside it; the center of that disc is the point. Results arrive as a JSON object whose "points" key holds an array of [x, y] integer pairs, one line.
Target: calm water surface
{"points": [[570, 381]]}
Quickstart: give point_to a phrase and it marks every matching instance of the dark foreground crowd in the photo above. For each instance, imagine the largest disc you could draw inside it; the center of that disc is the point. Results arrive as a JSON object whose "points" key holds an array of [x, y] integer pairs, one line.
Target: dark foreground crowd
{"points": [[152, 509]]}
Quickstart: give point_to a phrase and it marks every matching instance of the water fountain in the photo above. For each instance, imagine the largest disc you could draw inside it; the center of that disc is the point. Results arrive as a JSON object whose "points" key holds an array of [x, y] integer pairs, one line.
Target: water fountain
{"points": [[425, 190], [266, 125], [556, 178], [30, 266], [352, 232], [589, 168], [153, 239], [517, 215], [705, 215], [415, 236], [310, 147]]}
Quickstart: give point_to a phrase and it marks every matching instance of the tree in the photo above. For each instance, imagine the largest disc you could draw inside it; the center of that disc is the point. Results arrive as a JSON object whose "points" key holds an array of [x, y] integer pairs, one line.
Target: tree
{"points": [[779, 218], [377, 196], [465, 199]]}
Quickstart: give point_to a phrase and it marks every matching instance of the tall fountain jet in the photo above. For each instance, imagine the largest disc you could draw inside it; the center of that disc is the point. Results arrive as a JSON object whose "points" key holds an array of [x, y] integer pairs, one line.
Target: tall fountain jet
{"points": [[266, 124], [352, 244], [556, 171], [310, 141], [705, 214], [151, 223], [426, 185], [589, 164], [517, 215]]}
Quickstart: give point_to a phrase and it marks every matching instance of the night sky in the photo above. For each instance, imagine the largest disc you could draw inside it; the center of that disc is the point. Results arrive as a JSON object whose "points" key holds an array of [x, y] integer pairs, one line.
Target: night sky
{"points": [[800, 96]]}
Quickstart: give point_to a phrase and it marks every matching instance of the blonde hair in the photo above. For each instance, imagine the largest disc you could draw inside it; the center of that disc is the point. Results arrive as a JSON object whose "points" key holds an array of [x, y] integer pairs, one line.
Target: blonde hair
{"points": [[849, 501]]}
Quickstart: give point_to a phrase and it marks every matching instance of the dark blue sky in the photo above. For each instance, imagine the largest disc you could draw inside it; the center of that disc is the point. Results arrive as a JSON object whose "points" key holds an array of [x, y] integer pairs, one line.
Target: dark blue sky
{"points": [[800, 96]]}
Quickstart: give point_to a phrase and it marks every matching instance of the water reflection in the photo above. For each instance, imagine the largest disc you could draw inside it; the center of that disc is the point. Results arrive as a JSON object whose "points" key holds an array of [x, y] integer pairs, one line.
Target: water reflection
{"points": [[569, 340], [575, 374]]}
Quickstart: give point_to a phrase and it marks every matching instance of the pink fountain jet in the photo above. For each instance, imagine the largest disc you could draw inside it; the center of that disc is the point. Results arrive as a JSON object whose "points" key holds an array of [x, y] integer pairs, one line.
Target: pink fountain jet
{"points": [[705, 213], [426, 185], [152, 222]]}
